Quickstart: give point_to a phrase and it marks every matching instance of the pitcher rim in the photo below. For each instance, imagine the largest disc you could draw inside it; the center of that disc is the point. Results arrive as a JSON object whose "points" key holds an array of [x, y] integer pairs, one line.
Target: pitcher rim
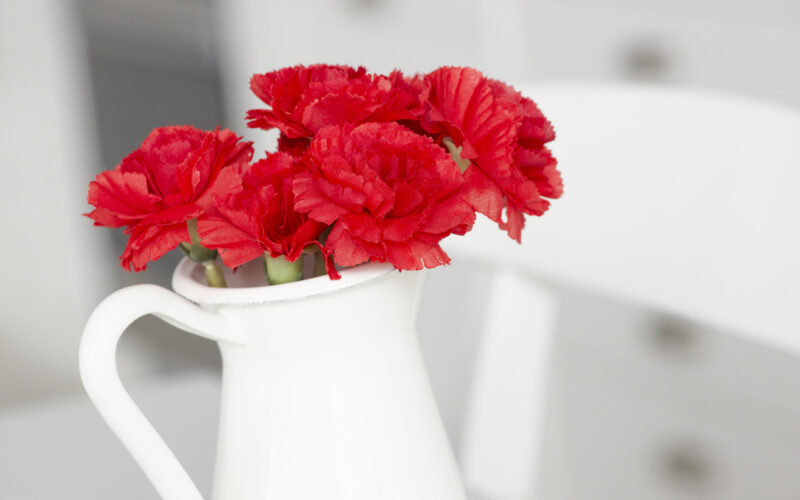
{"points": [[184, 284]]}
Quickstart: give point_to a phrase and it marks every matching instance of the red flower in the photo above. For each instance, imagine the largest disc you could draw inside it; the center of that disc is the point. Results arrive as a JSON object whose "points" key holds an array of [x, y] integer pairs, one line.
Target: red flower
{"points": [[259, 216], [305, 99], [533, 157], [502, 134], [295, 147], [390, 194], [171, 178]]}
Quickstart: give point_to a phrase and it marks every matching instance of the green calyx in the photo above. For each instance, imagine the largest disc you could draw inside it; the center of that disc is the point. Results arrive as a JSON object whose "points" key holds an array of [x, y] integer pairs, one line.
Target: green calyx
{"points": [[279, 270], [195, 250], [200, 254]]}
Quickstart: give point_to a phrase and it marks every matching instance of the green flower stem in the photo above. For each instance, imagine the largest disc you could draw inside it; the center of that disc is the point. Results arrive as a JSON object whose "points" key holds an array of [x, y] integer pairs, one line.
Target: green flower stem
{"points": [[191, 226], [279, 270], [202, 255], [455, 152], [214, 274]]}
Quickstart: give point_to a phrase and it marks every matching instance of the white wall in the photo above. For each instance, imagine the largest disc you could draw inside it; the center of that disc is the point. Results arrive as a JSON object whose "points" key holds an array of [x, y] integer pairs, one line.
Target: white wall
{"points": [[49, 277]]}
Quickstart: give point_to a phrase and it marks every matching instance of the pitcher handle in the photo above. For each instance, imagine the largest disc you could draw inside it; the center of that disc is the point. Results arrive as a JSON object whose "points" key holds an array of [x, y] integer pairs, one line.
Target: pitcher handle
{"points": [[98, 368]]}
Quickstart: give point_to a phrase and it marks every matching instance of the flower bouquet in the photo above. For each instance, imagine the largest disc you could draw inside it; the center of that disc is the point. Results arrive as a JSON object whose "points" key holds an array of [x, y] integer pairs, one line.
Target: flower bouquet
{"points": [[368, 168], [324, 392]]}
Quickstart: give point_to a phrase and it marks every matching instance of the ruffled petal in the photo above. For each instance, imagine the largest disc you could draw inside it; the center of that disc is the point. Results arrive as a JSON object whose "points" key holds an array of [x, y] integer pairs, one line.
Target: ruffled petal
{"points": [[171, 178], [382, 185], [346, 250], [539, 166], [150, 243], [234, 237], [303, 100], [121, 198]]}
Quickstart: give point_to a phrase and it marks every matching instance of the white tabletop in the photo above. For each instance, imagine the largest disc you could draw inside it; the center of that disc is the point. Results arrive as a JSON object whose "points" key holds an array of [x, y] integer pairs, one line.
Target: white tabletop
{"points": [[62, 450], [680, 200]]}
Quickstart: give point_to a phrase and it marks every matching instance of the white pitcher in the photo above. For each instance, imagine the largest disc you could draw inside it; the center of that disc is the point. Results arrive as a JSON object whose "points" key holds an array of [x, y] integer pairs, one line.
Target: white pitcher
{"points": [[324, 393]]}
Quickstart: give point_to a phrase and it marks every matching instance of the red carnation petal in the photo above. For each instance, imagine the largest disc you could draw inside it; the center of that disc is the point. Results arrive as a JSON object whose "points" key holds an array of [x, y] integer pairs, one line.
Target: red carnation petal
{"points": [[259, 215], [523, 192], [407, 200], [334, 109], [402, 255], [227, 181], [483, 194], [266, 119], [515, 222], [261, 85], [344, 248], [462, 106], [362, 226], [402, 228], [235, 244], [453, 214], [414, 254], [309, 198], [150, 243], [303, 100], [433, 255], [535, 130], [171, 178], [503, 134], [539, 166], [306, 233], [381, 185], [172, 215], [122, 198], [295, 147], [330, 266]]}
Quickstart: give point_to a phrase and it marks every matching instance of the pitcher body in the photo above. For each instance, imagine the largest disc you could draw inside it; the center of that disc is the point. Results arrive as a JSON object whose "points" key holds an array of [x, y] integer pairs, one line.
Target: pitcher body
{"points": [[324, 392]]}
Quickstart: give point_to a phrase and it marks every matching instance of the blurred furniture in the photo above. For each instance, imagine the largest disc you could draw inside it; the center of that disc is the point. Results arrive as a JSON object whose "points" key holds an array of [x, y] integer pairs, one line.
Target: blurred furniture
{"points": [[678, 201], [50, 276], [62, 449], [740, 46], [413, 35]]}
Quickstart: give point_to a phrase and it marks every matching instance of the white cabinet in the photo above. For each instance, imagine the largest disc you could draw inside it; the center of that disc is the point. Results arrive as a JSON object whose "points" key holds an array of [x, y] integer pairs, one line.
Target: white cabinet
{"points": [[663, 409], [739, 46]]}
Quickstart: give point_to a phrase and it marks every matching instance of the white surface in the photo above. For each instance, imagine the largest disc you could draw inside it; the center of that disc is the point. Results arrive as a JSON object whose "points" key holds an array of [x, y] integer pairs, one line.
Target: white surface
{"points": [[62, 449], [677, 200], [504, 427], [311, 408], [641, 406], [46, 160], [98, 368]]}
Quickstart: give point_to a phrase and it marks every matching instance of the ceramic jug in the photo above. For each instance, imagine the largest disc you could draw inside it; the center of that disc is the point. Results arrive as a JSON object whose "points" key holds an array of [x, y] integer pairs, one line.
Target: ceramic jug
{"points": [[324, 392]]}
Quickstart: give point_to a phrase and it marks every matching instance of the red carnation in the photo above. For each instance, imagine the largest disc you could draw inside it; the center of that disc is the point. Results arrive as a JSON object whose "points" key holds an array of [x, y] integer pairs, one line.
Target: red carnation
{"points": [[259, 216], [170, 179], [502, 134], [534, 159], [305, 99], [295, 147], [390, 194]]}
